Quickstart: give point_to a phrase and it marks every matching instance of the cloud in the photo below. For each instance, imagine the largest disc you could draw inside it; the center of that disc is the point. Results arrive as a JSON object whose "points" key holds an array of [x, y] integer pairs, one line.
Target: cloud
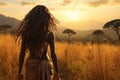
{"points": [[27, 3], [66, 2], [3, 4], [92, 3], [115, 1], [96, 3]]}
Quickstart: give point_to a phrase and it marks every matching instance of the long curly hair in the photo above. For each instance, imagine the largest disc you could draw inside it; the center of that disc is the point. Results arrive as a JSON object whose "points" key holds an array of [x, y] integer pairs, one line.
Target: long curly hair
{"points": [[34, 28]]}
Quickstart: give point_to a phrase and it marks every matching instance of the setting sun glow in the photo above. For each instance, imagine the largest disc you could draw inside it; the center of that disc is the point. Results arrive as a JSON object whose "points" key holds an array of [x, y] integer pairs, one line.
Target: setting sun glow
{"points": [[76, 14], [72, 15]]}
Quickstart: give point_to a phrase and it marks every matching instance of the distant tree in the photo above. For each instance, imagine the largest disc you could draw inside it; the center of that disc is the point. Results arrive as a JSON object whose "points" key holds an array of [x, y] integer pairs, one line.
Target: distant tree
{"points": [[4, 28], [98, 33], [69, 32], [115, 25]]}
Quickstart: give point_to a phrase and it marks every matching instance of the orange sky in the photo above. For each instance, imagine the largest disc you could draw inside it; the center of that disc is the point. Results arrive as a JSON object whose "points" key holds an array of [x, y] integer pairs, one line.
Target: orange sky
{"points": [[77, 14]]}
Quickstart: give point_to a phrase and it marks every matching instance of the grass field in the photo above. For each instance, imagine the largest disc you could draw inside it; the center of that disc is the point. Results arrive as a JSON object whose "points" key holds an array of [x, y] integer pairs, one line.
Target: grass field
{"points": [[76, 61]]}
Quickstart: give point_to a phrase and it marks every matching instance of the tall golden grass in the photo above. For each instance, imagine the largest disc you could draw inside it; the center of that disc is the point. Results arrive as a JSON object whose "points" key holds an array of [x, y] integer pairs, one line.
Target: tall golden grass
{"points": [[76, 61]]}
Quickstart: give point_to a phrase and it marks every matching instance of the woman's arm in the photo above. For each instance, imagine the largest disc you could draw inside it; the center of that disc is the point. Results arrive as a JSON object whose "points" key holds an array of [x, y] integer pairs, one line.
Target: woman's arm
{"points": [[21, 56], [52, 48]]}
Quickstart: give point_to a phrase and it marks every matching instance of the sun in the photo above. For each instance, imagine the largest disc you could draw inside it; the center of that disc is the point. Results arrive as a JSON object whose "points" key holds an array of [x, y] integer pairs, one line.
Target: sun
{"points": [[72, 15], [68, 15]]}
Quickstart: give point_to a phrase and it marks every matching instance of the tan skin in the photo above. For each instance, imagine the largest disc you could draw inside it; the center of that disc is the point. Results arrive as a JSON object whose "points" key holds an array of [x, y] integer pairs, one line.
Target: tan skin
{"points": [[53, 55]]}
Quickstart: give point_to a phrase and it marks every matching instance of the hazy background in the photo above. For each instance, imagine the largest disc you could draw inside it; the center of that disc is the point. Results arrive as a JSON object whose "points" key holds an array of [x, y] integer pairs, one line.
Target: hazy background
{"points": [[75, 14], [82, 16]]}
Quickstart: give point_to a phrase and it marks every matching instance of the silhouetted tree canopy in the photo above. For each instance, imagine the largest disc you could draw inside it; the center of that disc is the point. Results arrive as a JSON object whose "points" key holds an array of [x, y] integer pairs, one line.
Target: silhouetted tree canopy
{"points": [[98, 36], [115, 25], [98, 32], [70, 32], [4, 28]]}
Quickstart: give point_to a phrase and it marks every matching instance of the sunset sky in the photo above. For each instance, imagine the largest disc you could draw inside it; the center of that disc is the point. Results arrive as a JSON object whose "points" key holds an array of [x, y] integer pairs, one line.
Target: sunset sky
{"points": [[77, 14]]}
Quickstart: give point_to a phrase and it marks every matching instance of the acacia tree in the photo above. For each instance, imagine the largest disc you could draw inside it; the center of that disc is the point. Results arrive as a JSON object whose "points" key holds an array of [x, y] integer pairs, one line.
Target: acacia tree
{"points": [[4, 28], [69, 32], [98, 33], [115, 25]]}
